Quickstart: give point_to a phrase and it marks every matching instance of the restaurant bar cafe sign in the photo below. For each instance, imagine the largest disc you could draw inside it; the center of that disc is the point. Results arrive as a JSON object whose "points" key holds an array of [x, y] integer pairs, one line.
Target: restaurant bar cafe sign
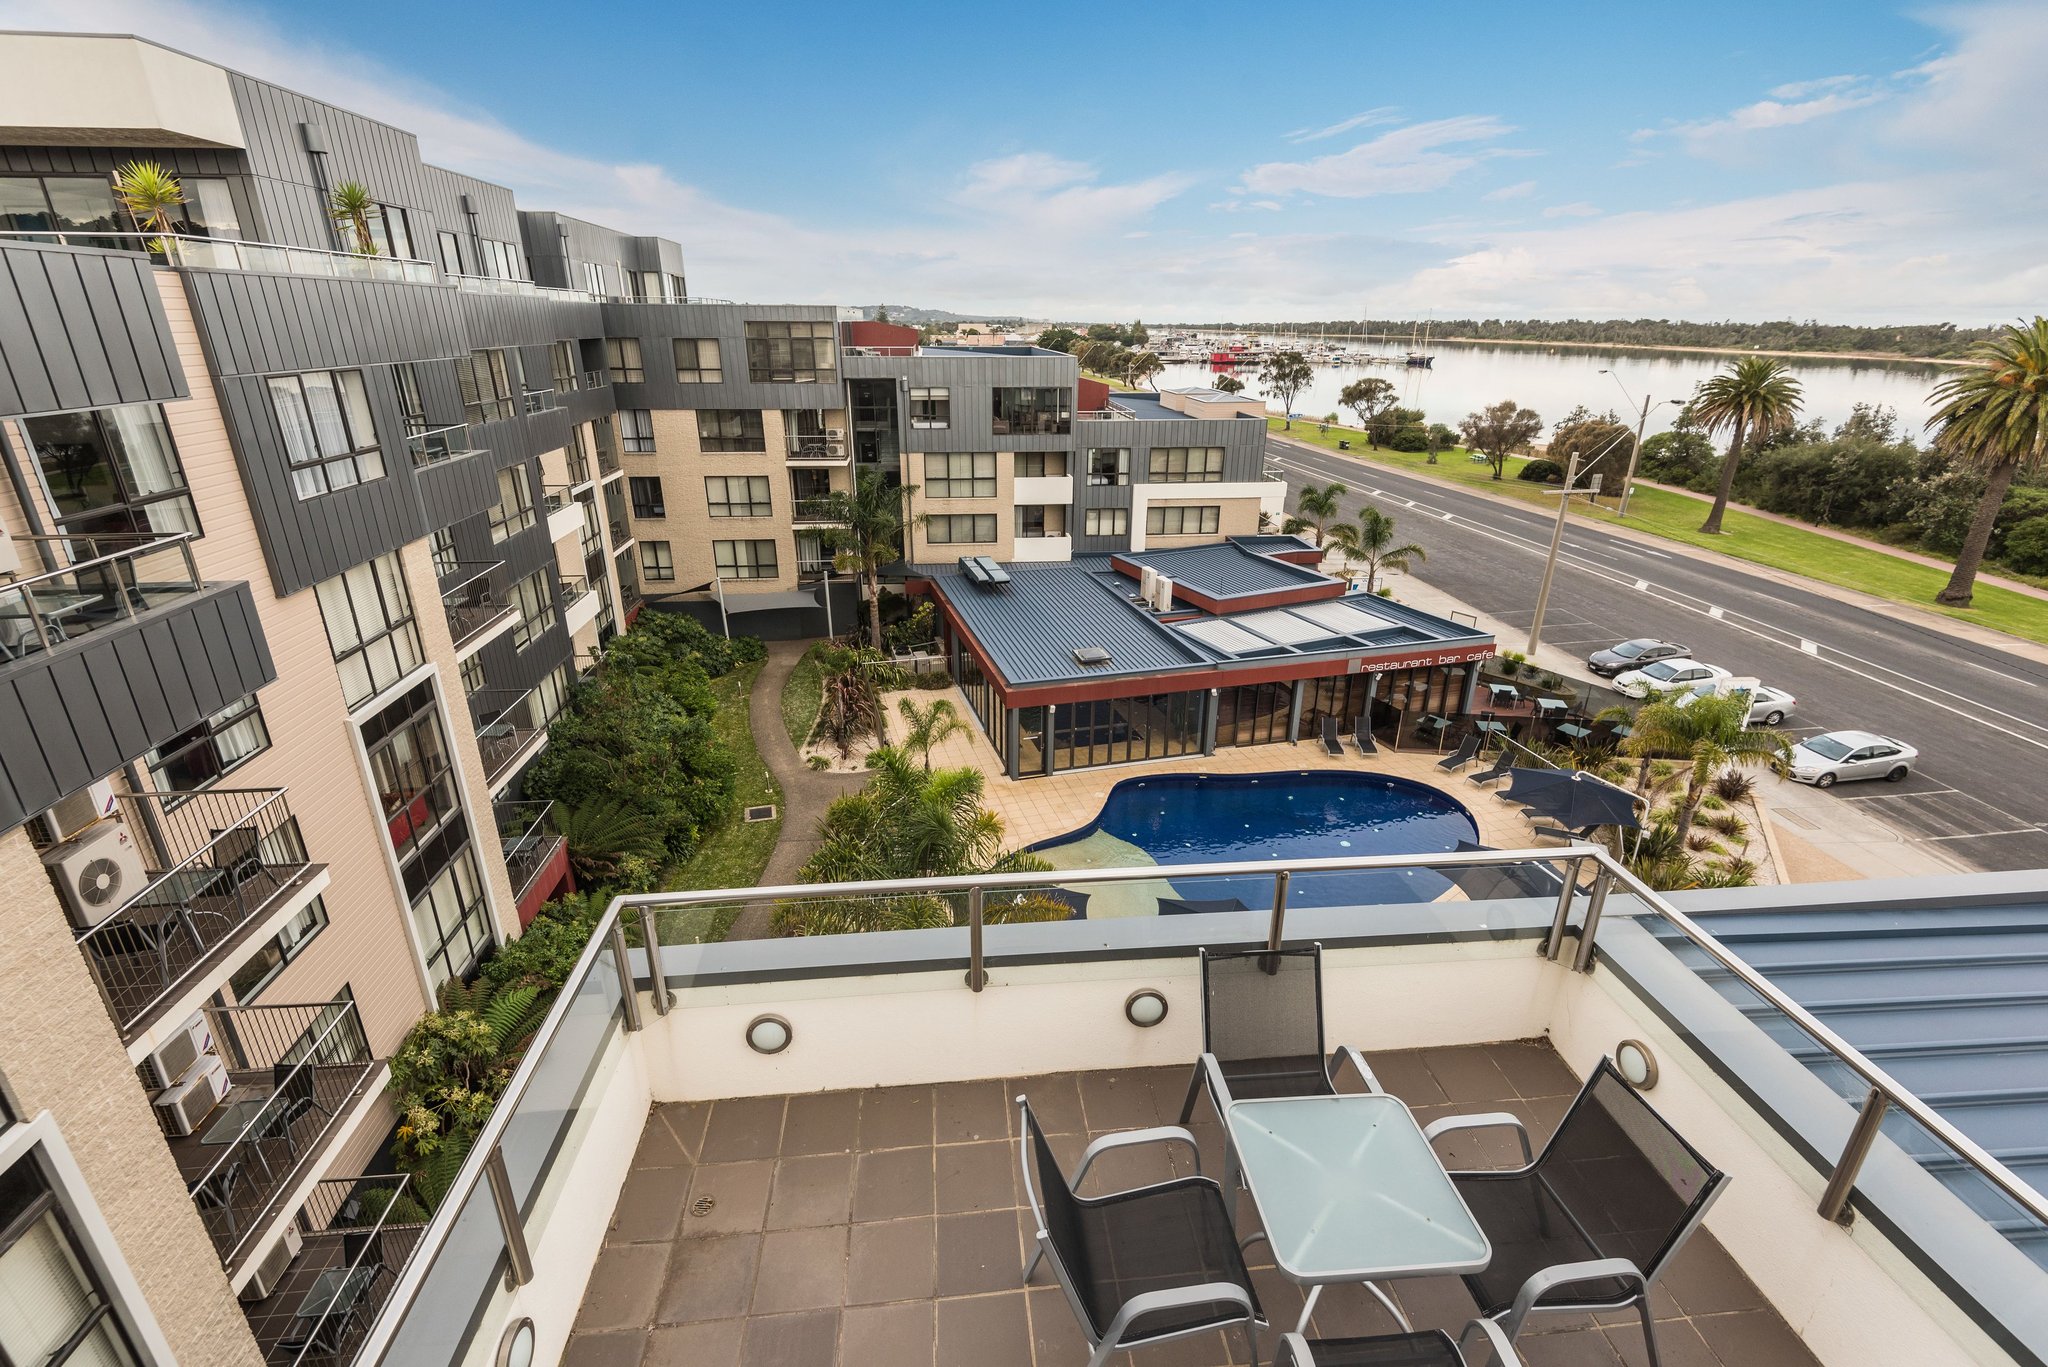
{"points": [[1386, 664]]}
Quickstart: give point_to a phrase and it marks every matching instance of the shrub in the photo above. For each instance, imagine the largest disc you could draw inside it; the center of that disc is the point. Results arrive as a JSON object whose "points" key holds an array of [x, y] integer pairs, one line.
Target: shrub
{"points": [[918, 627], [1511, 662], [2026, 546], [1726, 823], [1541, 472], [1409, 439], [1734, 786]]}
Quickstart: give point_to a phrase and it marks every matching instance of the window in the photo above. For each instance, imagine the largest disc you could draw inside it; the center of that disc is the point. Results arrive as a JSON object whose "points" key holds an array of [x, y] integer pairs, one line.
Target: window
{"points": [[656, 561], [370, 627], [1043, 411], [1107, 522], [562, 365], [622, 354], [71, 204], [112, 470], [513, 512], [1041, 519], [413, 768], [472, 671], [208, 210], [931, 408], [217, 746], [1199, 521], [443, 551], [636, 431], [960, 528], [1040, 464], [450, 248], [486, 380], [500, 259], [1109, 465], [449, 920], [1185, 465], [784, 353], [535, 599], [745, 559], [269, 961], [960, 474], [731, 429], [390, 232], [54, 1311], [647, 496], [697, 361], [412, 404], [329, 439], [737, 495]]}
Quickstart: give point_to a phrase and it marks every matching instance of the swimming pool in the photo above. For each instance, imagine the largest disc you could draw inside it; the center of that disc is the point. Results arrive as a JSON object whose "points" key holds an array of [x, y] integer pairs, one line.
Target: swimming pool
{"points": [[1172, 819]]}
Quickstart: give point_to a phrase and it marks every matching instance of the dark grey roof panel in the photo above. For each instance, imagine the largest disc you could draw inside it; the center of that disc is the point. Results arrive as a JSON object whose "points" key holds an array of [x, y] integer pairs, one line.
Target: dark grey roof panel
{"points": [[1032, 626], [1226, 571]]}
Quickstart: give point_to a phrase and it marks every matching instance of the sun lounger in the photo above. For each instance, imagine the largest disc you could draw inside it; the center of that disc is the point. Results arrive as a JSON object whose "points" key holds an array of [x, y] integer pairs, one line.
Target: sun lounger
{"points": [[1467, 751], [1361, 731], [1330, 741]]}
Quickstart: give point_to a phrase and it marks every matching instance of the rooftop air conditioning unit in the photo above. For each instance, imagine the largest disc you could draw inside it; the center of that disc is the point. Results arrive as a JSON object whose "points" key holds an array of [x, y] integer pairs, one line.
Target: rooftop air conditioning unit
{"points": [[172, 1060], [97, 872], [1148, 583], [1162, 594], [180, 1109], [276, 1260]]}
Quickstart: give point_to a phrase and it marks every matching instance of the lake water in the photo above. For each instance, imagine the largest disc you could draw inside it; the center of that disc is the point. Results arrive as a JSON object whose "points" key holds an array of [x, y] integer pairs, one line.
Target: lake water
{"points": [[1469, 376]]}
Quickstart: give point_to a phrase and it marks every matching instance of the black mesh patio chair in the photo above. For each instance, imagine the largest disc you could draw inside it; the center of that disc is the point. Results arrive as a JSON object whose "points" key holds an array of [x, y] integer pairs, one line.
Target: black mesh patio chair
{"points": [[1467, 751], [1427, 1348], [1262, 1029], [1502, 762], [1361, 731], [292, 1096], [1331, 743], [1138, 1266], [1591, 1221]]}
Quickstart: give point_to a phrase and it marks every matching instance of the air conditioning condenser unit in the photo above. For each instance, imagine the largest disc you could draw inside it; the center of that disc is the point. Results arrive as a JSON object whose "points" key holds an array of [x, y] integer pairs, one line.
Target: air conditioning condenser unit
{"points": [[180, 1109], [97, 871], [276, 1261]]}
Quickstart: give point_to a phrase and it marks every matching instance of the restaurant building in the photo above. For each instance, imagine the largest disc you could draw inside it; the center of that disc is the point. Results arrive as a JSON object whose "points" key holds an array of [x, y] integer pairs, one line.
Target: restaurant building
{"points": [[1140, 655]]}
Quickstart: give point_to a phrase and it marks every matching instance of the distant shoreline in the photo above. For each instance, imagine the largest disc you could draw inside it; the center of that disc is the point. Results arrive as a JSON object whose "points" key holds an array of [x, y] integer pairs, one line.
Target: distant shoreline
{"points": [[1715, 350]]}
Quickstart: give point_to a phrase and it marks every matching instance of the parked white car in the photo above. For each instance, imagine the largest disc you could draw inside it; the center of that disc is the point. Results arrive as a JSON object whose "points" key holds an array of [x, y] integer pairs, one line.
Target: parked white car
{"points": [[1768, 706], [1840, 756], [1666, 676]]}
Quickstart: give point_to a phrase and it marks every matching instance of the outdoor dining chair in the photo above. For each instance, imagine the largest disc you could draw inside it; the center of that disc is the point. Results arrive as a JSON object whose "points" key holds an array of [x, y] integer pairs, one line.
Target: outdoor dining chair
{"points": [[1262, 1029], [1428, 1348], [292, 1096], [1592, 1221], [1143, 1265]]}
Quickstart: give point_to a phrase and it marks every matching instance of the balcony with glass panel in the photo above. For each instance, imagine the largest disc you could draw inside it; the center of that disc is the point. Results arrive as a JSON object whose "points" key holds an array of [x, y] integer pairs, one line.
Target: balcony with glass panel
{"points": [[536, 858], [477, 606], [807, 1149], [233, 254], [438, 445], [356, 1235], [509, 730]]}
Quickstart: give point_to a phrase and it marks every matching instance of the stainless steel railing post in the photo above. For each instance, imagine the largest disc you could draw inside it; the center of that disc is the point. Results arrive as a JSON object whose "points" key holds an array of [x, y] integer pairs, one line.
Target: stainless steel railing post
{"points": [[1275, 936], [977, 972], [657, 980], [520, 1270], [1554, 944], [629, 998], [1834, 1202], [1596, 902]]}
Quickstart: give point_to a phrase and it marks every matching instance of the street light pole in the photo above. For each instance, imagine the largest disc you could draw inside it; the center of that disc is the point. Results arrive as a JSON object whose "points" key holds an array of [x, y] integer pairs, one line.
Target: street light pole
{"points": [[1628, 481], [1564, 502]]}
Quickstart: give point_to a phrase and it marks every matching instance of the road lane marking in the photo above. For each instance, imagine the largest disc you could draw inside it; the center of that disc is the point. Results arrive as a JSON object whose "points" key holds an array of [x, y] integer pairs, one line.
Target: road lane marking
{"points": [[1642, 586], [1717, 614], [1813, 648]]}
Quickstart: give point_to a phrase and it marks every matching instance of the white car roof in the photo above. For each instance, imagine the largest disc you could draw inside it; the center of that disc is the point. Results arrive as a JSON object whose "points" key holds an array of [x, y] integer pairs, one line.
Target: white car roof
{"points": [[1854, 739]]}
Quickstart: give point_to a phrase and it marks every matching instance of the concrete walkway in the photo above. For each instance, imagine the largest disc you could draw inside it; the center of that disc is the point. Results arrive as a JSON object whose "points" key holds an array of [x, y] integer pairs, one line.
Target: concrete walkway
{"points": [[806, 792]]}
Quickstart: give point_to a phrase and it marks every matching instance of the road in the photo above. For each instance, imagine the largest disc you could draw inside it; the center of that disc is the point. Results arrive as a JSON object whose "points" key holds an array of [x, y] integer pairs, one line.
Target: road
{"points": [[1978, 715]]}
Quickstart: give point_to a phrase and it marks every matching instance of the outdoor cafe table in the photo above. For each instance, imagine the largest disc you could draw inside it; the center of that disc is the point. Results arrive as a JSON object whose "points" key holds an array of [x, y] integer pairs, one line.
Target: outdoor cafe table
{"points": [[1348, 1190]]}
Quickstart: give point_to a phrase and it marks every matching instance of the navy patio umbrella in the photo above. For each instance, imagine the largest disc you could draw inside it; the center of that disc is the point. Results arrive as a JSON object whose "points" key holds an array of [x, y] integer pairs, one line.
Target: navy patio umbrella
{"points": [[1583, 801]]}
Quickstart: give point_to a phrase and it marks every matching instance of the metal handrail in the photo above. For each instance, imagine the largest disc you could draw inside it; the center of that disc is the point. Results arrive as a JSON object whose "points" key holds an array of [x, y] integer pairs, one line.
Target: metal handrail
{"points": [[605, 936], [182, 244], [313, 1335], [435, 445], [538, 400]]}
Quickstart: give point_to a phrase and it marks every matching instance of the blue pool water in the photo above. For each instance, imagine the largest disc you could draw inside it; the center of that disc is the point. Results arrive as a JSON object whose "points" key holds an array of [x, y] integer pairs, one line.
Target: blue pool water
{"points": [[1209, 818]]}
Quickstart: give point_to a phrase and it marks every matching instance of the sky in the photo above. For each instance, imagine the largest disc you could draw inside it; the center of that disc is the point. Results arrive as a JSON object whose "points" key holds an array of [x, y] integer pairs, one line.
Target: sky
{"points": [[1852, 161]]}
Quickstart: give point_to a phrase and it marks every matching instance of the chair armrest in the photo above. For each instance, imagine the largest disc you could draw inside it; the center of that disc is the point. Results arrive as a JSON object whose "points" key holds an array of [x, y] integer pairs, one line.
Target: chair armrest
{"points": [[1177, 1298], [1343, 1052], [1157, 1134], [1504, 1354], [1485, 1121], [1293, 1352], [1542, 1283]]}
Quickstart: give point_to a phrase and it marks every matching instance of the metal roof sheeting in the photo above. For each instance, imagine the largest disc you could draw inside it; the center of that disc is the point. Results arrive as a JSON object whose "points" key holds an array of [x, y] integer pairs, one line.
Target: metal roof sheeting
{"points": [[1226, 570]]}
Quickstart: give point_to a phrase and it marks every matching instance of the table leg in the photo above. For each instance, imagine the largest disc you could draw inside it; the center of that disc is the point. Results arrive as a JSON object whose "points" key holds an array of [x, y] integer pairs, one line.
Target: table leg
{"points": [[1392, 1309], [1308, 1305]]}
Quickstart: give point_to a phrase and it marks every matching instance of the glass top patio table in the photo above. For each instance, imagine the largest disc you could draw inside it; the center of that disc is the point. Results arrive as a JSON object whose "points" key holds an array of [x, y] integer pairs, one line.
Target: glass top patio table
{"points": [[1349, 1190]]}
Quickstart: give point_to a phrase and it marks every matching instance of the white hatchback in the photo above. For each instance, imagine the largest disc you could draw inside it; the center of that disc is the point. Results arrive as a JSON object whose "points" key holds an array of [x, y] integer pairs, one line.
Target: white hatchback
{"points": [[1840, 756], [1666, 676]]}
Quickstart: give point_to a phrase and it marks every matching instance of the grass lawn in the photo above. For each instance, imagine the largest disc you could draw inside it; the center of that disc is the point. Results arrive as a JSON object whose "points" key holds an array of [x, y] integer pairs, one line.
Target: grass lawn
{"points": [[735, 852], [803, 697], [1112, 383], [1744, 536]]}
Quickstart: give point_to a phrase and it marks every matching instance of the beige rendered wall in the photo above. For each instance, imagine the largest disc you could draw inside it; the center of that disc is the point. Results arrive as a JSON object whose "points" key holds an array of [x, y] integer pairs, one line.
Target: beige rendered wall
{"points": [[59, 1052], [1003, 505], [1237, 517]]}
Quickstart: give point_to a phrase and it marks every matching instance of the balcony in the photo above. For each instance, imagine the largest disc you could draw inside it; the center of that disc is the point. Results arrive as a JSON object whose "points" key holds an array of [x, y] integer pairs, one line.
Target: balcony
{"points": [[814, 512], [440, 445], [98, 582], [622, 534], [607, 460], [1032, 425], [475, 602], [564, 513], [299, 1080], [536, 858], [231, 254], [854, 1180], [596, 379], [214, 874], [491, 284], [357, 1234], [509, 730], [534, 401], [579, 605], [818, 450]]}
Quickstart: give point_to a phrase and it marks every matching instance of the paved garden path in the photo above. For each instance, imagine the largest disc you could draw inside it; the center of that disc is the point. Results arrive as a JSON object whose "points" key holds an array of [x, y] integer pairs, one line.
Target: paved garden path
{"points": [[806, 792]]}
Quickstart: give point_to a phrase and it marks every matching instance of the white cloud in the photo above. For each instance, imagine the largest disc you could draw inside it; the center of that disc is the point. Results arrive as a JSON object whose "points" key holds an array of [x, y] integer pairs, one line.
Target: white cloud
{"points": [[1799, 103], [1799, 90], [1240, 205], [1577, 209], [1521, 189], [1371, 118], [1404, 161]]}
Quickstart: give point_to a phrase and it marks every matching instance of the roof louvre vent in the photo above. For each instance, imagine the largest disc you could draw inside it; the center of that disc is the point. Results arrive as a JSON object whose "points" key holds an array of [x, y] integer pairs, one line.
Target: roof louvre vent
{"points": [[1090, 655]]}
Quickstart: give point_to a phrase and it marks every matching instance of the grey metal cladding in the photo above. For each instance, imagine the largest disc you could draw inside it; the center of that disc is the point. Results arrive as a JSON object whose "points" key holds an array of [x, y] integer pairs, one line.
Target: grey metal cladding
{"points": [[971, 381], [385, 159], [81, 328], [77, 713], [1243, 441], [454, 490], [497, 217], [657, 326], [548, 234]]}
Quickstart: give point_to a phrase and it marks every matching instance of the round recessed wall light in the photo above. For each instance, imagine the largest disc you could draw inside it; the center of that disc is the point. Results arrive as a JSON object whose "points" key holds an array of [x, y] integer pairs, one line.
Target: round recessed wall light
{"points": [[1637, 1063], [516, 1348], [769, 1034], [1145, 1008]]}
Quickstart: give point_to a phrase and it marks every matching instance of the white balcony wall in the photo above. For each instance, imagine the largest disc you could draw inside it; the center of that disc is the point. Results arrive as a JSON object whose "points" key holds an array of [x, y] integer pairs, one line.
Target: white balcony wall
{"points": [[1043, 489]]}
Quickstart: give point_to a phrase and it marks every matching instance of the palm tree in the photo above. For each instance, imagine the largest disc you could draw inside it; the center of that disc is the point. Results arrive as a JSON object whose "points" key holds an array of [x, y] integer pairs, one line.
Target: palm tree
{"points": [[1754, 397], [602, 836], [867, 534], [1710, 735], [1994, 417], [1143, 366], [1316, 507], [1285, 374], [928, 726], [1370, 542], [350, 205], [148, 192]]}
